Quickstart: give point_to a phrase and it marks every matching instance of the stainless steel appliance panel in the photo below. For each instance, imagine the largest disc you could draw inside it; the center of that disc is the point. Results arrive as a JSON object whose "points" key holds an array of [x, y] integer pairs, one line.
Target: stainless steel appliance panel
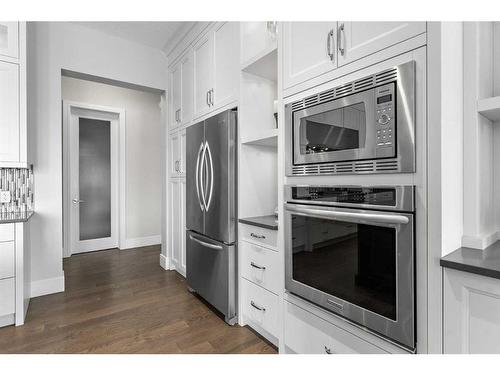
{"points": [[195, 140], [220, 180], [210, 271]]}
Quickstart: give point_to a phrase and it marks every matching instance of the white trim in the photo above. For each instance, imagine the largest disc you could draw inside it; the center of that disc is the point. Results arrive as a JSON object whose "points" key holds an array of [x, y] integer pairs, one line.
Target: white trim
{"points": [[480, 242], [47, 286], [164, 262], [141, 241], [68, 107]]}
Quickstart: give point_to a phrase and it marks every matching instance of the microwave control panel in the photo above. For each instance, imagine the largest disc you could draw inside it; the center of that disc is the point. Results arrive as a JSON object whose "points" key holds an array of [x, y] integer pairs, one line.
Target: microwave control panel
{"points": [[385, 119]]}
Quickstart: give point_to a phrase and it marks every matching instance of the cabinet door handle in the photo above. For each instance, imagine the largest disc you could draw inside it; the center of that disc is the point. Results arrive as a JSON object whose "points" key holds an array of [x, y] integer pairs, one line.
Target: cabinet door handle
{"points": [[179, 115], [329, 45], [328, 350], [341, 37], [257, 266], [177, 165], [260, 237], [257, 307], [208, 98], [211, 97]]}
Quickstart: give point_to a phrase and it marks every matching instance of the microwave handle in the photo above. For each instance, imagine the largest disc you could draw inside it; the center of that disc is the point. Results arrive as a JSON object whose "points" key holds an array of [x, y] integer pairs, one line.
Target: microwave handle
{"points": [[350, 216]]}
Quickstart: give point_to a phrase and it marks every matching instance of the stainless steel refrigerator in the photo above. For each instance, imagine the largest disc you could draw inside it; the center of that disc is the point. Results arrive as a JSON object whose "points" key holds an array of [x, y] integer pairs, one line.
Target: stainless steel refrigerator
{"points": [[211, 211]]}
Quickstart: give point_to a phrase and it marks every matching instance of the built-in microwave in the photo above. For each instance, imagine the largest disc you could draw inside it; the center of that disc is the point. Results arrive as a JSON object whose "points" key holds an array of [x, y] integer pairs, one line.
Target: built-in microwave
{"points": [[364, 126], [350, 250]]}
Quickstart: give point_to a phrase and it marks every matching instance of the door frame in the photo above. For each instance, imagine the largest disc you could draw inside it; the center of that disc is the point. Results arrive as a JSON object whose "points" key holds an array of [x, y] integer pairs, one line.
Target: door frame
{"points": [[72, 109]]}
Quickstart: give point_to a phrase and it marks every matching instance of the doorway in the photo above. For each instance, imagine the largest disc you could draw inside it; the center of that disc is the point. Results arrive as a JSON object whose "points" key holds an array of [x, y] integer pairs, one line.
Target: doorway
{"points": [[93, 146]]}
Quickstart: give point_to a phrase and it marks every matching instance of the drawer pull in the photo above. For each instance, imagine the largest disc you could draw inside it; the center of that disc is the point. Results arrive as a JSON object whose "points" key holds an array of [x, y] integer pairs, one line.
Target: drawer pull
{"points": [[257, 266], [257, 236], [328, 350], [255, 306]]}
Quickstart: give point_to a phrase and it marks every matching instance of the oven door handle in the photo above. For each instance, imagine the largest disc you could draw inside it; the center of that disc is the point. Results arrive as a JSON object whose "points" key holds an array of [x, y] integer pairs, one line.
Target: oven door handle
{"points": [[348, 216]]}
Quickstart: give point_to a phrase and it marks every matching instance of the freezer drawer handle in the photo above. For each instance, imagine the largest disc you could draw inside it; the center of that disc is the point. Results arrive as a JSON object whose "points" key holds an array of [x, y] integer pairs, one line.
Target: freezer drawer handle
{"points": [[260, 237], [255, 306], [257, 266], [206, 244]]}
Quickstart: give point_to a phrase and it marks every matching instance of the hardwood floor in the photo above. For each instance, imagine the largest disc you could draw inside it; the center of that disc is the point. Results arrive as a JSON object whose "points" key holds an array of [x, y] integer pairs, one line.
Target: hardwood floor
{"points": [[124, 302]]}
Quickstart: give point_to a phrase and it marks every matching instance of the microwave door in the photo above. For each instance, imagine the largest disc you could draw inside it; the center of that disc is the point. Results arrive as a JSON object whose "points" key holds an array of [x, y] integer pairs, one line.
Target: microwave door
{"points": [[339, 130]]}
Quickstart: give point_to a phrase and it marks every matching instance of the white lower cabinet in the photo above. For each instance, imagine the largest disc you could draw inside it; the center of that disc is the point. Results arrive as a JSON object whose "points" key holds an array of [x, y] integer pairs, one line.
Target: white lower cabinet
{"points": [[177, 222], [471, 313], [260, 308], [8, 300], [260, 266], [7, 259], [260, 236], [305, 333]]}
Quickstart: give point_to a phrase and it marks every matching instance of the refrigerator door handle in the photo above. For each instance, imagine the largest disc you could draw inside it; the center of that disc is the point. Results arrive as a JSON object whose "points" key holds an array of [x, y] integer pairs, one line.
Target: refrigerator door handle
{"points": [[211, 176], [197, 177], [203, 186], [206, 244]]}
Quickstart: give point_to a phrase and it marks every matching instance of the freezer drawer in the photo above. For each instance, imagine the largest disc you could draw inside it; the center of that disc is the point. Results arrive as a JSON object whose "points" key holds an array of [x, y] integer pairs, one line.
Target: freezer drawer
{"points": [[211, 272]]}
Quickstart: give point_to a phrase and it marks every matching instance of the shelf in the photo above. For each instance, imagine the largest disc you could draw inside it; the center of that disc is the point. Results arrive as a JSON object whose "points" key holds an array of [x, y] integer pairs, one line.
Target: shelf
{"points": [[265, 64], [489, 108], [267, 138]]}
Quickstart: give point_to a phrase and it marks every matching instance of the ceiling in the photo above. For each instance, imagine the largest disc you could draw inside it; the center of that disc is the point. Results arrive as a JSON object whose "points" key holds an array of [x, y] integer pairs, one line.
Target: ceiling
{"points": [[160, 35]]}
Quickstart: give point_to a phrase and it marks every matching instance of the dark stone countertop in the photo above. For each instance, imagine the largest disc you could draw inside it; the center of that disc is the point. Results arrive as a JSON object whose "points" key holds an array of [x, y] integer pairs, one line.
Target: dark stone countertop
{"points": [[268, 221], [15, 217], [481, 262]]}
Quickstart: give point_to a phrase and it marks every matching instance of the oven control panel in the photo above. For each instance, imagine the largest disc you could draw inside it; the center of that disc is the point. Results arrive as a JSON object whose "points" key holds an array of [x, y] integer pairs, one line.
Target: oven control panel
{"points": [[384, 119]]}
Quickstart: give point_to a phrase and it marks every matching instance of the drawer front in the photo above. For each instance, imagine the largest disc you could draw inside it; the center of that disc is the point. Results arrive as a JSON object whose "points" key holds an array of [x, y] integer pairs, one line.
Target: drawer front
{"points": [[7, 259], [6, 232], [260, 307], [260, 265], [7, 292], [306, 333], [260, 236]]}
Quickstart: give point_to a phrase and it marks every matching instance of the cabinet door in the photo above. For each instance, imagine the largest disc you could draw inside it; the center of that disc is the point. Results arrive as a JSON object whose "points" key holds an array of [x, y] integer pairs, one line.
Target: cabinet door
{"points": [[182, 227], [9, 110], [176, 77], [309, 49], [226, 68], [175, 153], [203, 55], [9, 39], [175, 214], [360, 39], [182, 152], [471, 313], [187, 100], [255, 38]]}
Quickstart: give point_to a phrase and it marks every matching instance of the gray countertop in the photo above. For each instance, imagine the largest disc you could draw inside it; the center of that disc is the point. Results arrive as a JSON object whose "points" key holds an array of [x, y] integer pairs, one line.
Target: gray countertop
{"points": [[268, 221], [15, 217], [482, 262]]}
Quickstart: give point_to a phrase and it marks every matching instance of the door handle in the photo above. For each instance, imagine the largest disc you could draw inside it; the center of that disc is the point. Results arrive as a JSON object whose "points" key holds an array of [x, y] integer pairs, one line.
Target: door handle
{"points": [[328, 350], [197, 177], [211, 176], [257, 307], [202, 177], [341, 39], [329, 45], [257, 266], [212, 97], [258, 236], [76, 201], [206, 244]]}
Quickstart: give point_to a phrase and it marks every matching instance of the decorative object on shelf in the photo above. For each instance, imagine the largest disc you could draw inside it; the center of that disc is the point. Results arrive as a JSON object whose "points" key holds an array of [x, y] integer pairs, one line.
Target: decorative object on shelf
{"points": [[275, 109], [19, 182]]}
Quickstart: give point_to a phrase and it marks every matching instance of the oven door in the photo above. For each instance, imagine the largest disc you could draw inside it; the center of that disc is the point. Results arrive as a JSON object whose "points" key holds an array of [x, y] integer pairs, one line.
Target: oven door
{"points": [[340, 130], [355, 263]]}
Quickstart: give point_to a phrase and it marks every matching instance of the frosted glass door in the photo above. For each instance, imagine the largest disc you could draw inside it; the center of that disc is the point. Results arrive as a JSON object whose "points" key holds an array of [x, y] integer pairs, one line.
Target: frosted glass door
{"points": [[94, 178]]}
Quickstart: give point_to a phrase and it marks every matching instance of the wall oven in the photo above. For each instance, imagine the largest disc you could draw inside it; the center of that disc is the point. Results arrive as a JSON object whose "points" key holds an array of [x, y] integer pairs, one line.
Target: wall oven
{"points": [[350, 250], [365, 126]]}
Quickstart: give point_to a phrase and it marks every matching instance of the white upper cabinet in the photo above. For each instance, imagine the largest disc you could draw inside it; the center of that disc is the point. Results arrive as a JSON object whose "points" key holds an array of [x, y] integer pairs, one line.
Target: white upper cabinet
{"points": [[226, 63], [256, 37], [176, 89], [203, 55], [187, 100], [309, 49], [9, 110], [360, 39], [175, 154], [9, 39]]}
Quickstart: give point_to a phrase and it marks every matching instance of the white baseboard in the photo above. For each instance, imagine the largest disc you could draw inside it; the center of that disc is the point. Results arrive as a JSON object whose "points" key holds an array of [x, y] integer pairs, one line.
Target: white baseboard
{"points": [[142, 241], [164, 262], [47, 286], [480, 242]]}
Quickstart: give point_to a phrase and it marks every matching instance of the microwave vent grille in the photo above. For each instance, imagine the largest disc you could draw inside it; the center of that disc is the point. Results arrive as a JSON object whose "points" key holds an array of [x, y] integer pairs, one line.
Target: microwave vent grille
{"points": [[355, 167], [349, 88]]}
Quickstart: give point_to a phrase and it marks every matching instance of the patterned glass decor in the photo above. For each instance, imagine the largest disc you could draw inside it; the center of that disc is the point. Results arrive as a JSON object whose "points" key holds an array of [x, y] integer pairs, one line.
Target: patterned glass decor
{"points": [[19, 182]]}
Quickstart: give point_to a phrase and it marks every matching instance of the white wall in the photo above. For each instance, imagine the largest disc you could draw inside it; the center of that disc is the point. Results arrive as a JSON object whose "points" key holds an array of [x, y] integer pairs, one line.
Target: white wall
{"points": [[53, 46], [143, 149]]}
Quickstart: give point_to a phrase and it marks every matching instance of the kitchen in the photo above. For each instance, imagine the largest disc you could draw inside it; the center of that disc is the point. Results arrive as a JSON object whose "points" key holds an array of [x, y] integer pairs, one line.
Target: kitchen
{"points": [[323, 188]]}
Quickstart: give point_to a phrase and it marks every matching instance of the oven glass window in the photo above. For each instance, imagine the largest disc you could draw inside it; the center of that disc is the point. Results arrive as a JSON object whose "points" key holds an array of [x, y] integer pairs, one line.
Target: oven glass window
{"points": [[354, 262], [335, 130]]}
